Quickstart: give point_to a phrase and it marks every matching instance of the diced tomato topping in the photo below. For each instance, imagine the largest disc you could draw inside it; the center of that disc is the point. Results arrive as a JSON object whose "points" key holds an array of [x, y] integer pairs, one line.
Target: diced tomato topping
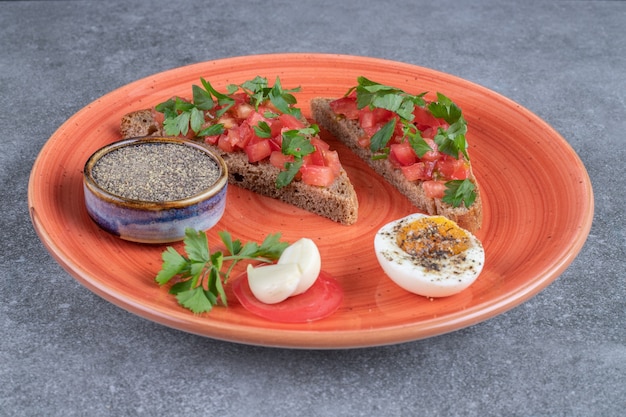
{"points": [[434, 189], [255, 118], [321, 300], [423, 118], [433, 155], [228, 121], [211, 139], [453, 169], [416, 171], [315, 158], [332, 161], [258, 151], [245, 135], [279, 159], [319, 143], [374, 117], [243, 110], [402, 153], [345, 106], [320, 176], [276, 127], [290, 121], [276, 143], [225, 144]]}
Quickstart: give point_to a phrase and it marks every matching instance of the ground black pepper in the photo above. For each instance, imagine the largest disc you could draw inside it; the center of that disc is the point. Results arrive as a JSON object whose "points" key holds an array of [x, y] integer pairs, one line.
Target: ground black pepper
{"points": [[155, 172]]}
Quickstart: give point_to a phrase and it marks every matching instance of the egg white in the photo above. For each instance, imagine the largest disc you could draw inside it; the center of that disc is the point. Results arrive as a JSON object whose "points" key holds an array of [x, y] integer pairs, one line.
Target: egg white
{"points": [[454, 274]]}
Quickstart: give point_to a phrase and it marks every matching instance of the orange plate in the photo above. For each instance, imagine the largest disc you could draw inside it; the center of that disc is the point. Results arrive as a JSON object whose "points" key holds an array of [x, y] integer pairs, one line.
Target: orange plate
{"points": [[538, 208]]}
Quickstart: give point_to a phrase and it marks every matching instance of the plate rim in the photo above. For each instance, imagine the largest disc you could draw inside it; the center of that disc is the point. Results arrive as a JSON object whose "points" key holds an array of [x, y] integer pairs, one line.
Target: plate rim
{"points": [[363, 338]]}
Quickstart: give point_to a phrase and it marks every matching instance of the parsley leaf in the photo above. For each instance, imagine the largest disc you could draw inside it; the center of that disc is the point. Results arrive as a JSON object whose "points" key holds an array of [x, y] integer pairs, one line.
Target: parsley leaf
{"points": [[296, 143], [201, 280], [181, 115], [259, 91], [460, 192], [263, 130], [380, 139]]}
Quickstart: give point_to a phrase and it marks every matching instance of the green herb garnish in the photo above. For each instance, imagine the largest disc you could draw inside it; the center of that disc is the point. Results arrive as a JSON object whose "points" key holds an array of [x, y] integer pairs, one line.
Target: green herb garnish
{"points": [[201, 279], [459, 192], [450, 141], [296, 143]]}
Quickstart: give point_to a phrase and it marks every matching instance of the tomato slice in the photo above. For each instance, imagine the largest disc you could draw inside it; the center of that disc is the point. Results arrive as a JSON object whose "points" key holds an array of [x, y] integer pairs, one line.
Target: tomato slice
{"points": [[320, 301]]}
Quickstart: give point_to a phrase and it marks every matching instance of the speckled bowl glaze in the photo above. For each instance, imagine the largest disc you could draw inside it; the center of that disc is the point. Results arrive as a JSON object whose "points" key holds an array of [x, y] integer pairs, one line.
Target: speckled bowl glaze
{"points": [[148, 221]]}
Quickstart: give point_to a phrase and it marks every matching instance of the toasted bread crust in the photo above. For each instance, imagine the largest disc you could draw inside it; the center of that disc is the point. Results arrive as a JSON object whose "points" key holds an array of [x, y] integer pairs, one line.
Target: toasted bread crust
{"points": [[338, 202], [140, 123], [348, 132]]}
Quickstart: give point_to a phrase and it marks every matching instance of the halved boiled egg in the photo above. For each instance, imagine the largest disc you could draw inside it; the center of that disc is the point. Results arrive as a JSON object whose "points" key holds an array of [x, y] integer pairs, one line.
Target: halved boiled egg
{"points": [[429, 255], [295, 272]]}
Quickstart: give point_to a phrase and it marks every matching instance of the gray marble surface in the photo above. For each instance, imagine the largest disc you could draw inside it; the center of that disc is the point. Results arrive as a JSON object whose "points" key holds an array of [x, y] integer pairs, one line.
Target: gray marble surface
{"points": [[66, 352]]}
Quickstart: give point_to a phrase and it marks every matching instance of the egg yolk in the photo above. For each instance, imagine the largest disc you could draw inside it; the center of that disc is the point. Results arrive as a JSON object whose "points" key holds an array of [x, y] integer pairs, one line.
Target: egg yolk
{"points": [[432, 237]]}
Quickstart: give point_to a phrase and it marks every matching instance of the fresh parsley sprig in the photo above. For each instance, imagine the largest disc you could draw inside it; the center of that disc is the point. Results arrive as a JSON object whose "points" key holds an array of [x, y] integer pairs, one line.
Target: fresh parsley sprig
{"points": [[297, 143], [180, 115], [201, 279], [450, 141], [260, 91], [459, 192]]}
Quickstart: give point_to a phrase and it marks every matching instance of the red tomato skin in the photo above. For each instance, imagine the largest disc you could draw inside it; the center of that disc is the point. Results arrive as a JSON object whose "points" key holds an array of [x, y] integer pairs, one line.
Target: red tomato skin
{"points": [[403, 153], [279, 159], [453, 169], [321, 176], [434, 189], [258, 151], [423, 117], [331, 159], [290, 122], [321, 300], [416, 172], [345, 106]]}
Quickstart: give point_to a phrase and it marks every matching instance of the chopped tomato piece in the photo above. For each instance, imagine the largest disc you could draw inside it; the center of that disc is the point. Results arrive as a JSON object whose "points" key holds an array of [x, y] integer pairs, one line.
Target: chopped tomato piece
{"points": [[416, 171], [332, 161], [320, 176], [245, 134], [276, 127], [374, 117], [243, 110], [319, 143], [423, 118], [403, 153], [291, 122], [345, 106], [224, 143], [453, 169], [279, 159], [321, 300], [258, 151], [434, 189], [255, 118], [433, 155]]}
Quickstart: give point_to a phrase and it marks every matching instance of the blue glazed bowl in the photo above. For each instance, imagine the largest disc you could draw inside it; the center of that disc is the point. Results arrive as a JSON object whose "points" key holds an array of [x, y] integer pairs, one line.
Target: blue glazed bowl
{"points": [[154, 221]]}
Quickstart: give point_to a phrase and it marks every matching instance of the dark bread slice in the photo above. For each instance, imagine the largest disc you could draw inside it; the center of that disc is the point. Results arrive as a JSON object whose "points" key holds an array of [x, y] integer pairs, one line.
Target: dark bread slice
{"points": [[348, 132], [140, 123], [338, 202]]}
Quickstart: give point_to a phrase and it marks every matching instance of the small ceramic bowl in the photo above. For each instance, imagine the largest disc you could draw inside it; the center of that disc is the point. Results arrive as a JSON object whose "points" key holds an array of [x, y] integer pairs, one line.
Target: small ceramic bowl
{"points": [[151, 189]]}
